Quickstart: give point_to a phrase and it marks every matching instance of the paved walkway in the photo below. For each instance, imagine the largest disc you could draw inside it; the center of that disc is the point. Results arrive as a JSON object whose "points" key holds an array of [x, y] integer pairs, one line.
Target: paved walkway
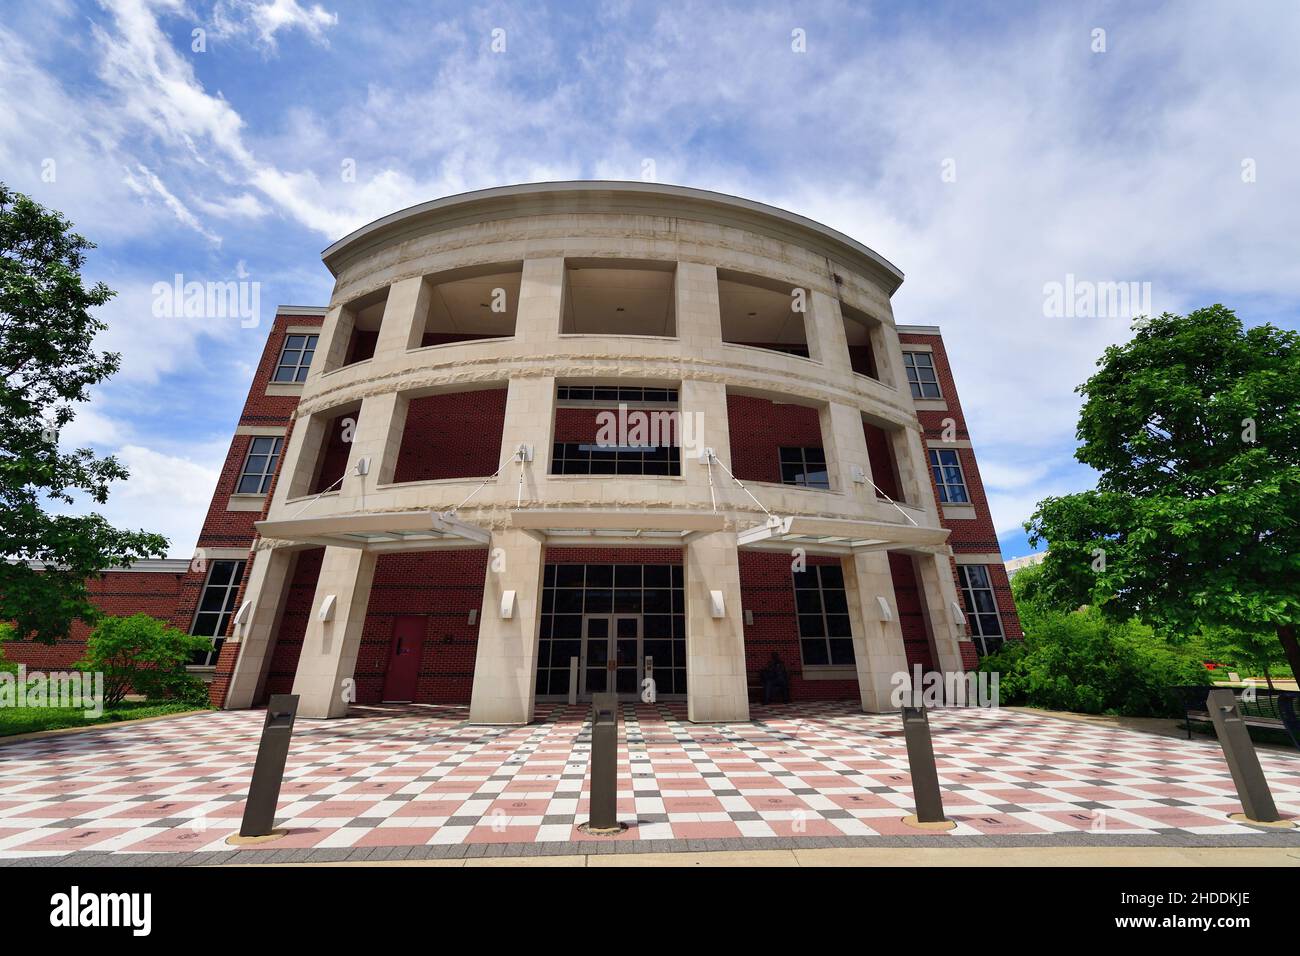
{"points": [[419, 783]]}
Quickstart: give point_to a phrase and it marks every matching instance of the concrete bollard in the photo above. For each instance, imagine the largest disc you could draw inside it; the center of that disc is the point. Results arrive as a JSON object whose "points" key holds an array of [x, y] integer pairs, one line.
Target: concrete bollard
{"points": [[925, 775], [1243, 763], [604, 766], [268, 769]]}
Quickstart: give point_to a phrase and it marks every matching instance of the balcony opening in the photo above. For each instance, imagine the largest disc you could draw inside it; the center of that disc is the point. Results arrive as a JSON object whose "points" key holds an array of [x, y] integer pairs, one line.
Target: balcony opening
{"points": [[472, 304], [883, 460], [777, 442], [452, 435], [619, 297], [359, 326], [335, 446], [859, 331], [763, 313], [627, 428]]}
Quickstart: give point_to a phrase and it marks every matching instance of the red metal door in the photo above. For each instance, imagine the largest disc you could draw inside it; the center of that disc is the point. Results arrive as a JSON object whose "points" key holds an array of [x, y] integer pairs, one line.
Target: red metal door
{"points": [[404, 659]]}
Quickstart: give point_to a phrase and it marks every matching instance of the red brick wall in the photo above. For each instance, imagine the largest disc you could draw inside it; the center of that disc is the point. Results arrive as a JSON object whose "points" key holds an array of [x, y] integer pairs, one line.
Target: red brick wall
{"points": [[443, 587], [759, 429], [969, 536], [120, 593], [452, 435], [880, 454], [767, 590], [334, 453]]}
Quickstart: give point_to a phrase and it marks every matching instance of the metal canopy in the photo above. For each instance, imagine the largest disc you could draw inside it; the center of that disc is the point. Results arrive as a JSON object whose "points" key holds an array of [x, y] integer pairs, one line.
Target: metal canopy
{"points": [[842, 536], [379, 532], [648, 526]]}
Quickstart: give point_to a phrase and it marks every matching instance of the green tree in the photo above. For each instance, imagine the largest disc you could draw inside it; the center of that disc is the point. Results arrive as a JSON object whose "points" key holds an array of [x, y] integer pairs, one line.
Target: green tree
{"points": [[1194, 427], [49, 362], [1252, 652]]}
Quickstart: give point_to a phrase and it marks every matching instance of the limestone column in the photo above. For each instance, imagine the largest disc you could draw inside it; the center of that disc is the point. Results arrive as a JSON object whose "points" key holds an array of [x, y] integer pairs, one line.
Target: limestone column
{"points": [[530, 411], [889, 355], [846, 446], [378, 437], [541, 299], [267, 583], [332, 345], [717, 688], [298, 461], [329, 650], [405, 312], [878, 649], [827, 340], [938, 594], [702, 405], [505, 665], [697, 307]]}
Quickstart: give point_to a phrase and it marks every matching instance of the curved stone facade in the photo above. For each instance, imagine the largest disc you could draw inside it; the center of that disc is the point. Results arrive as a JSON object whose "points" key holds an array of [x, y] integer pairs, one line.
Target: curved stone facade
{"points": [[540, 232]]}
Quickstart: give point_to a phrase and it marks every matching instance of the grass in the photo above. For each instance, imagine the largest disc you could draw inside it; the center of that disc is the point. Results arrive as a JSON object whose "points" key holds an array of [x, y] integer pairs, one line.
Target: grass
{"points": [[26, 720]]}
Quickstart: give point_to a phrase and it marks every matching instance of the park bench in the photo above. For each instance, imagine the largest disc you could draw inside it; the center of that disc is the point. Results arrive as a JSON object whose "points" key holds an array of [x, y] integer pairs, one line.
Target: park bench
{"points": [[1275, 710]]}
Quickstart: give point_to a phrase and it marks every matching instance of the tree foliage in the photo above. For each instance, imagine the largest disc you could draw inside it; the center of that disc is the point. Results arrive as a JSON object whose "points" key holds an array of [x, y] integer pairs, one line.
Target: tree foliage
{"points": [[1086, 662], [49, 363], [1194, 428]]}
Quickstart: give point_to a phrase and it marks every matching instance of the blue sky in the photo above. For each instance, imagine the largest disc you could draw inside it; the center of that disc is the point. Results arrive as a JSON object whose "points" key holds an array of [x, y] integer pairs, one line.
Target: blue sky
{"points": [[1122, 165]]}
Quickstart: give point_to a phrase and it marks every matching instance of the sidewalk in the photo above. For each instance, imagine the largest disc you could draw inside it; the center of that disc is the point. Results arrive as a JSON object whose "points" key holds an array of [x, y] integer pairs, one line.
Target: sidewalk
{"points": [[897, 856]]}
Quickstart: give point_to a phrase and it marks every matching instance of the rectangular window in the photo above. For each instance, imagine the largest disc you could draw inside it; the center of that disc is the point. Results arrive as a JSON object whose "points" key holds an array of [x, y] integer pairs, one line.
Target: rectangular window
{"points": [[920, 375], [295, 358], [805, 467], [581, 458], [259, 465], [981, 607], [825, 635], [610, 393], [946, 466], [216, 604]]}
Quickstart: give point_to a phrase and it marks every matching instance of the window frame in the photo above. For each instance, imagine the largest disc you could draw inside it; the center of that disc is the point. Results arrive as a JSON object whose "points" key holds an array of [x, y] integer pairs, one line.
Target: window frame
{"points": [[913, 372], [976, 619], [298, 369], [938, 473], [226, 609], [826, 636], [803, 463], [272, 462], [577, 453]]}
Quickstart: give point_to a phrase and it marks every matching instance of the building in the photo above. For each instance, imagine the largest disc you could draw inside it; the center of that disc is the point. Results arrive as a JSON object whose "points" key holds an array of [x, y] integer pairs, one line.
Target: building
{"points": [[556, 438], [1027, 561]]}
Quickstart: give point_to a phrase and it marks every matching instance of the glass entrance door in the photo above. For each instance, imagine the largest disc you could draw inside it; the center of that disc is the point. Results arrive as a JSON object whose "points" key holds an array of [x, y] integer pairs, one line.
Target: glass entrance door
{"points": [[611, 654]]}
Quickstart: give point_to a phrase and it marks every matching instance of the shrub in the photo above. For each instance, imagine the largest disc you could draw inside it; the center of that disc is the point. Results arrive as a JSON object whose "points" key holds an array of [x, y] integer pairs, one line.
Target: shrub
{"points": [[6, 634], [143, 654], [1081, 661]]}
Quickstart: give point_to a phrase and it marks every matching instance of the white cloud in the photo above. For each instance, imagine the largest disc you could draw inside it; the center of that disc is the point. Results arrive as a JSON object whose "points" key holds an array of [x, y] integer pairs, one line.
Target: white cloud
{"points": [[167, 494], [266, 19]]}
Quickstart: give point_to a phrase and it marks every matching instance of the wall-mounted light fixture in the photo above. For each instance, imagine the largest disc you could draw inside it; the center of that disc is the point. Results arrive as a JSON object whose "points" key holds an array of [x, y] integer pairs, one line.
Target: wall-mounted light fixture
{"points": [[473, 616], [507, 605], [717, 608], [958, 616], [749, 617], [363, 467], [885, 613], [326, 609]]}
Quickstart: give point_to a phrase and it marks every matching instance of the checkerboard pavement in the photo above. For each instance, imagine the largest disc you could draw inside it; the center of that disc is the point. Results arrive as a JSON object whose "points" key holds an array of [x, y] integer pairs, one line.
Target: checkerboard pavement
{"points": [[394, 780]]}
